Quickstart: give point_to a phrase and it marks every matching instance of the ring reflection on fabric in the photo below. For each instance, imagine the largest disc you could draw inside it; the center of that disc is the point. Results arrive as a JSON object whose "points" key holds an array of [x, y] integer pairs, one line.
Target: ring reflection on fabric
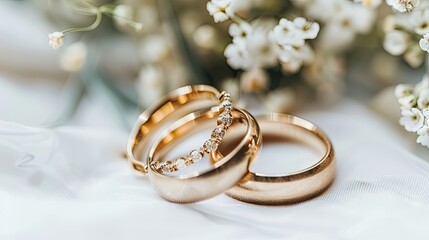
{"points": [[171, 107], [274, 189], [221, 175]]}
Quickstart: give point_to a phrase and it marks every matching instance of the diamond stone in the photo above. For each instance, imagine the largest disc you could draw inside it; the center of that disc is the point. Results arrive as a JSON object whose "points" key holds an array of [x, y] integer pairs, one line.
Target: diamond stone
{"points": [[166, 166], [225, 119], [227, 105], [180, 163], [219, 132], [210, 145], [195, 156]]}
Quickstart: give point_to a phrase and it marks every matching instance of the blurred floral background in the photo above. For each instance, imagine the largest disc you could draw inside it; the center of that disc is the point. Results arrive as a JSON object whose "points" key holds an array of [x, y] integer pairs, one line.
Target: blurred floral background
{"points": [[274, 55]]}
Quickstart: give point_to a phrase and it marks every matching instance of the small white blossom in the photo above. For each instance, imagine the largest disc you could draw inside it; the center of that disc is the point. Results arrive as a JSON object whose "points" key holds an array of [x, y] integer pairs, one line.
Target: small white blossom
{"points": [[306, 29], [347, 21], [403, 5], [408, 101], [424, 42], [239, 32], [261, 49], [422, 85], [423, 137], [231, 86], [412, 119], [73, 57], [420, 21], [150, 85], [414, 56], [403, 90], [254, 80], [369, 3], [292, 57], [423, 100], [237, 56], [205, 36], [287, 33], [154, 48], [221, 10], [56, 39], [122, 14], [281, 100], [396, 42]]}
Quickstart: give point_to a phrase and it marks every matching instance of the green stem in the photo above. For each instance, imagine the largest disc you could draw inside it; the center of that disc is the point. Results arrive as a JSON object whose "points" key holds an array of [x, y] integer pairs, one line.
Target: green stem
{"points": [[90, 27]]}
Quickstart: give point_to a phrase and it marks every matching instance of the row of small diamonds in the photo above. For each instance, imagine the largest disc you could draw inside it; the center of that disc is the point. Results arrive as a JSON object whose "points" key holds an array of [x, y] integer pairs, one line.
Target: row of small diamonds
{"points": [[223, 122]]}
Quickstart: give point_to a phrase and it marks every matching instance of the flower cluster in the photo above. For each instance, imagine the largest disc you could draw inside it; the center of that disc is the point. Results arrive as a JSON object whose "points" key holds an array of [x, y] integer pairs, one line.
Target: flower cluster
{"points": [[408, 34], [403, 5], [414, 103], [343, 20], [262, 45]]}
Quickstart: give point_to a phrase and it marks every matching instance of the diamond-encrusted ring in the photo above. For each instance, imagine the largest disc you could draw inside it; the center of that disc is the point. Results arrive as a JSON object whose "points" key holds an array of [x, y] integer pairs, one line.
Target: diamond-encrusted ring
{"points": [[223, 122], [260, 188], [157, 117], [221, 174]]}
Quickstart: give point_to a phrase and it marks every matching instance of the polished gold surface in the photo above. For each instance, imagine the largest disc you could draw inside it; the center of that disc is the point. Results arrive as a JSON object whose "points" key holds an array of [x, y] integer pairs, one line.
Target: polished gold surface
{"points": [[221, 176], [298, 186], [171, 107], [195, 155]]}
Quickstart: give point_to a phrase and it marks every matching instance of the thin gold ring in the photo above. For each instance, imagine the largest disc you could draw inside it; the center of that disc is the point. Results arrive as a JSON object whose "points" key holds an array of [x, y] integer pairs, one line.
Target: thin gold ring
{"points": [[259, 188], [171, 107], [221, 175]]}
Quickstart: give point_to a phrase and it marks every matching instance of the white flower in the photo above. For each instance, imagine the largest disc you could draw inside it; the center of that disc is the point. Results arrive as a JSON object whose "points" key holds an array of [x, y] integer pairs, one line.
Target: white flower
{"points": [[350, 19], [122, 14], [408, 101], [423, 100], [424, 42], [287, 33], [221, 10], [154, 48], [237, 56], [396, 42], [403, 90], [306, 29], [422, 85], [281, 100], [150, 85], [254, 80], [423, 137], [261, 49], [73, 57], [403, 5], [369, 3], [420, 21], [239, 32], [292, 57], [412, 119], [414, 56], [231, 86], [205, 36], [56, 39], [323, 10]]}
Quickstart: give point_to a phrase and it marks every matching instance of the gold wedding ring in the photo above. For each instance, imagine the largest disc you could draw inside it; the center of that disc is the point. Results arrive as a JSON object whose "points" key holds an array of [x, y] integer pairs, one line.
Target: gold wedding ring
{"points": [[259, 188], [221, 176], [190, 109], [171, 107]]}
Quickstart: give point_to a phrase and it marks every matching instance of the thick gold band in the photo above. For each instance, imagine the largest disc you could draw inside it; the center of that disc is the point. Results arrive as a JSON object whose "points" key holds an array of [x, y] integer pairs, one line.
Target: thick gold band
{"points": [[171, 107], [261, 188], [222, 174]]}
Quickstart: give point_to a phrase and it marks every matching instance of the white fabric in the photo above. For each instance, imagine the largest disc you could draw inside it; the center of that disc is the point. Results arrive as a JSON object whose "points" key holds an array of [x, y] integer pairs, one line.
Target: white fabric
{"points": [[72, 182]]}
